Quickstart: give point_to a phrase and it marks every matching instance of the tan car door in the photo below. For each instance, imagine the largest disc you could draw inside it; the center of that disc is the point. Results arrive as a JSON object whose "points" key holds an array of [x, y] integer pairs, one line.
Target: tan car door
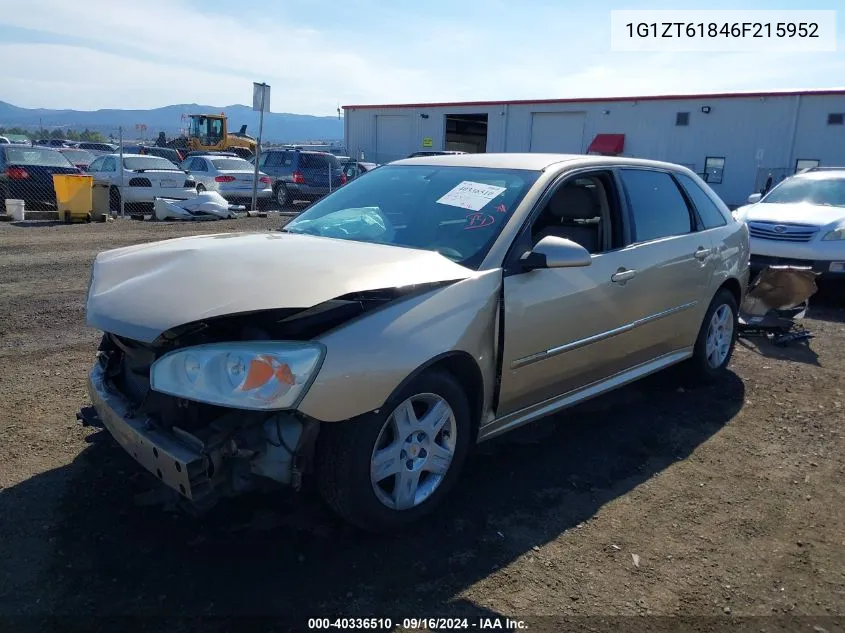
{"points": [[670, 264], [558, 323]]}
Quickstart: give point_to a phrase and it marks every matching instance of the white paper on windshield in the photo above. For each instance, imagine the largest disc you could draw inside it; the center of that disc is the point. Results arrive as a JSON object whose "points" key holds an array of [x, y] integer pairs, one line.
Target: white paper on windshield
{"points": [[471, 195]]}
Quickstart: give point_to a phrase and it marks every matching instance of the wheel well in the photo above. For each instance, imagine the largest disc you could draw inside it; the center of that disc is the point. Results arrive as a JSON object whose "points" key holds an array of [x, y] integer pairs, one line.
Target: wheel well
{"points": [[732, 286], [465, 370]]}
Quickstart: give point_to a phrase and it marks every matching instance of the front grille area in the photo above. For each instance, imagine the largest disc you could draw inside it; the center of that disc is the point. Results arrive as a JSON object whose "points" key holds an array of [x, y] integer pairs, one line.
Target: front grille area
{"points": [[782, 232]]}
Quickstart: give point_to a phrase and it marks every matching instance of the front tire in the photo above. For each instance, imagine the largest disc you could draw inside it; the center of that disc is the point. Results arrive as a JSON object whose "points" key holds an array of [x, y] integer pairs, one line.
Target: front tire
{"points": [[716, 338], [200, 188], [394, 467]]}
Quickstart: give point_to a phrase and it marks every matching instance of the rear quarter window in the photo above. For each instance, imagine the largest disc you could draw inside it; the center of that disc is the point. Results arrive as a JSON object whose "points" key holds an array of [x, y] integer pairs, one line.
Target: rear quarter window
{"points": [[709, 213], [317, 161]]}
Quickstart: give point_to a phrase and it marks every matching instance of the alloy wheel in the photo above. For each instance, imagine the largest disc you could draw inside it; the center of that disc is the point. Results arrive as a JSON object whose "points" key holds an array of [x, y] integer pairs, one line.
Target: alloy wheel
{"points": [[413, 451]]}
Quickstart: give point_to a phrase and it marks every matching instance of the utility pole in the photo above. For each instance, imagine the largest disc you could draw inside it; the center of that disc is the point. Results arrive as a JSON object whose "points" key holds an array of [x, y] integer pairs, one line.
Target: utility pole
{"points": [[264, 90]]}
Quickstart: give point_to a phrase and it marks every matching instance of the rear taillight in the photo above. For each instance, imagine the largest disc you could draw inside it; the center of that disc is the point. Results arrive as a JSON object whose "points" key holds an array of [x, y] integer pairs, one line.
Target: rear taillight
{"points": [[342, 178], [224, 178], [298, 178], [17, 173], [264, 179]]}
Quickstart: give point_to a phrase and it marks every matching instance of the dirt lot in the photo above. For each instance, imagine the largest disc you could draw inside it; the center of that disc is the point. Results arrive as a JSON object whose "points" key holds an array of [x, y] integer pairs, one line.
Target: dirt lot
{"points": [[721, 501]]}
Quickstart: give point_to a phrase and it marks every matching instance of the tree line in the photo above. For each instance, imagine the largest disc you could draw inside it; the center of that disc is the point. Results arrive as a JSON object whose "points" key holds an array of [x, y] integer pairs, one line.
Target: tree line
{"points": [[90, 136]]}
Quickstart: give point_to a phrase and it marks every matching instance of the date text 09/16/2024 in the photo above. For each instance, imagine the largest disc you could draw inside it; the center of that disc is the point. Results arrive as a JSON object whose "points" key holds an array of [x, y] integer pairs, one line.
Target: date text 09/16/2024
{"points": [[417, 624]]}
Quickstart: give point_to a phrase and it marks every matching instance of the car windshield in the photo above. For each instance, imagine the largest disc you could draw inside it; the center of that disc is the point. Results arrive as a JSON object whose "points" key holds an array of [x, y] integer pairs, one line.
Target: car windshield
{"points": [[36, 156], [232, 164], [78, 156], [823, 191], [455, 211], [148, 162]]}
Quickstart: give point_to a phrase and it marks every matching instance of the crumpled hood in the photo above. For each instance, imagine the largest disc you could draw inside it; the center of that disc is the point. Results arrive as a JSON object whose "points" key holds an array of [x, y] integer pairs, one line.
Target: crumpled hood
{"points": [[800, 213], [141, 291]]}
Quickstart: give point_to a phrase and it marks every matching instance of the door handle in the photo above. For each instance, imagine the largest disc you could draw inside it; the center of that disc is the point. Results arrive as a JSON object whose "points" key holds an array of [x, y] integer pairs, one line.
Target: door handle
{"points": [[622, 275], [703, 253]]}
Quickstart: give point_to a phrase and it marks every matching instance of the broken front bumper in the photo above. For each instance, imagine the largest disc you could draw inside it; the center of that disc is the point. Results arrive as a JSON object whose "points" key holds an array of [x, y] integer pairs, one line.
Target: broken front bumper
{"points": [[178, 466]]}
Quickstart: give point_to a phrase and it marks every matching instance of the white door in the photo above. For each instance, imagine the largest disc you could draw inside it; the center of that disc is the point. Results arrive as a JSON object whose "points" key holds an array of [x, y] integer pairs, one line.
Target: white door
{"points": [[557, 132], [393, 137]]}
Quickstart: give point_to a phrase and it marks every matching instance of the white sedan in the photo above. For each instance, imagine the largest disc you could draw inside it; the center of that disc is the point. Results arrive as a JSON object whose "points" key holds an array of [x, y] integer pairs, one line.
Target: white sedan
{"points": [[144, 179], [230, 176], [801, 222]]}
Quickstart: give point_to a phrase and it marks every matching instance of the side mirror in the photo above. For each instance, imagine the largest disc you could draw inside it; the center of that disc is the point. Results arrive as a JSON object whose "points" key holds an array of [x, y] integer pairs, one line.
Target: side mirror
{"points": [[556, 252], [754, 198]]}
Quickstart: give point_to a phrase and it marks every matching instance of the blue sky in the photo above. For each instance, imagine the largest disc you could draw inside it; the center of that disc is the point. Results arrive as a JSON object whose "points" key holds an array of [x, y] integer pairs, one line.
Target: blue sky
{"points": [[120, 54]]}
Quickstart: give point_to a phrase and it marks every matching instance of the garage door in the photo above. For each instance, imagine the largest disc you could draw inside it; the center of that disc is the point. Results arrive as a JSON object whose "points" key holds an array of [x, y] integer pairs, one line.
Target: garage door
{"points": [[393, 137], [557, 132]]}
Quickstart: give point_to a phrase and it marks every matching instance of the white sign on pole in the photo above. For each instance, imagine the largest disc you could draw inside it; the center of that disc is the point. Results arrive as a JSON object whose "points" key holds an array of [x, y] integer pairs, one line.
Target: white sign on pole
{"points": [[260, 96]]}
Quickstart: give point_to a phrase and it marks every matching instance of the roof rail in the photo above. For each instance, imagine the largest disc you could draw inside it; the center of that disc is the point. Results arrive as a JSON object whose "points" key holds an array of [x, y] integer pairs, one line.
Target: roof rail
{"points": [[809, 169]]}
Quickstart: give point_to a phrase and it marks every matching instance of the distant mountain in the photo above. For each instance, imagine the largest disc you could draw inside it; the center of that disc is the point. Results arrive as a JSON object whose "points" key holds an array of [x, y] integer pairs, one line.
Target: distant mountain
{"points": [[278, 127]]}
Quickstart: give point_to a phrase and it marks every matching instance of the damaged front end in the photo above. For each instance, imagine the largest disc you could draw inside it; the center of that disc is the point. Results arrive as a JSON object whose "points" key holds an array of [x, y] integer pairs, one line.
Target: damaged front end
{"points": [[206, 451], [777, 298]]}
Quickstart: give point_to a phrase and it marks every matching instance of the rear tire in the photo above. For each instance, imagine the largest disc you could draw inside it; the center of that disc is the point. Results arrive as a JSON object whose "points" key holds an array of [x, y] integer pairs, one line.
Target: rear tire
{"points": [[282, 196], [347, 454], [114, 199], [716, 339], [67, 217]]}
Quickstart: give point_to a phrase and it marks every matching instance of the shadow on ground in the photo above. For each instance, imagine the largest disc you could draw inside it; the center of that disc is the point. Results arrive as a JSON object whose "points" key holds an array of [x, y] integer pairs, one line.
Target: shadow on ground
{"points": [[284, 556], [795, 351]]}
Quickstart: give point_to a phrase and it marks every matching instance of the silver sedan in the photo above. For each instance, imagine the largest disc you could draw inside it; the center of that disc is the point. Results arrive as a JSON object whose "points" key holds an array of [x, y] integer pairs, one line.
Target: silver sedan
{"points": [[229, 176]]}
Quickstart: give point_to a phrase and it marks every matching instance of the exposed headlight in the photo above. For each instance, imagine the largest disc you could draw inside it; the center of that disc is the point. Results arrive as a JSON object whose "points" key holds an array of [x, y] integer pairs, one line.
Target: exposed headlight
{"points": [[835, 234], [257, 375]]}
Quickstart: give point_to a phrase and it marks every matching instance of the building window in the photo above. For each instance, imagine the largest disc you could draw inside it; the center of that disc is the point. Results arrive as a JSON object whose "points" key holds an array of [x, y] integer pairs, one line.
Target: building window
{"points": [[682, 118], [714, 168], [805, 163], [835, 118]]}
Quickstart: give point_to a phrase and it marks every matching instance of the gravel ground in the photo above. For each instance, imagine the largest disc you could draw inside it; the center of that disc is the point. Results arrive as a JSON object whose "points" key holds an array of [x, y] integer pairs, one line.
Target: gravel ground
{"points": [[659, 499]]}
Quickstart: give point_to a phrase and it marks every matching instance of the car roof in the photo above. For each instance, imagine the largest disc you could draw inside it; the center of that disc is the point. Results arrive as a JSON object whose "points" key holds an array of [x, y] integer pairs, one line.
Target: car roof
{"points": [[117, 155], [531, 161], [824, 174]]}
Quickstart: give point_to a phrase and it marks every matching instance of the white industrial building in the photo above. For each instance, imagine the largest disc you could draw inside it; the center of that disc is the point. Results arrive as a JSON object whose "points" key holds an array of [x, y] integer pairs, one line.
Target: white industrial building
{"points": [[734, 140]]}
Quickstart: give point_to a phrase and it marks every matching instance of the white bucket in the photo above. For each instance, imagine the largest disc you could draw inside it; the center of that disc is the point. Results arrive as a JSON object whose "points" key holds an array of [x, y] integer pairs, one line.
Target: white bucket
{"points": [[15, 208]]}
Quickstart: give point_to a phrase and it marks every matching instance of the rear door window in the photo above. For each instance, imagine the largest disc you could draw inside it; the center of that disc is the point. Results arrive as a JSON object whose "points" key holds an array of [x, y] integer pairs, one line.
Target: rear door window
{"points": [[657, 206], [709, 213]]}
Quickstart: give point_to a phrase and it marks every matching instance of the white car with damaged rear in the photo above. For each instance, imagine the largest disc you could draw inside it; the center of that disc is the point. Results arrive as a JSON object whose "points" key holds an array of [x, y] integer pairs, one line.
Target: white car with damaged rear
{"points": [[801, 222], [230, 176], [144, 179]]}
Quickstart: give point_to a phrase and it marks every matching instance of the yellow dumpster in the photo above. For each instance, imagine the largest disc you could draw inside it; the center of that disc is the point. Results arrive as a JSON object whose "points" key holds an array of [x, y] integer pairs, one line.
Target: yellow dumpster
{"points": [[74, 196]]}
